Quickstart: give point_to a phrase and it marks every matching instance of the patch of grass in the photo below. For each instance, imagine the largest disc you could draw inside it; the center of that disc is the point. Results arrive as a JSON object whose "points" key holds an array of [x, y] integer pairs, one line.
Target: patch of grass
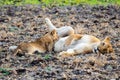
{"points": [[47, 56], [31, 2], [77, 2], [48, 68], [5, 71], [59, 2]]}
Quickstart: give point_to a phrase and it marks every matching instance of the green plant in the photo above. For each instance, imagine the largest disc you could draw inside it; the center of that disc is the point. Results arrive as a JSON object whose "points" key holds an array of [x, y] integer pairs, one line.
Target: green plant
{"points": [[5, 71], [50, 3], [47, 56], [49, 68]]}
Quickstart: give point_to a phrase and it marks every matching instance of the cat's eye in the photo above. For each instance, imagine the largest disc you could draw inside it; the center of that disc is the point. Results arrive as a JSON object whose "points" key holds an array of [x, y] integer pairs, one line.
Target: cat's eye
{"points": [[103, 43]]}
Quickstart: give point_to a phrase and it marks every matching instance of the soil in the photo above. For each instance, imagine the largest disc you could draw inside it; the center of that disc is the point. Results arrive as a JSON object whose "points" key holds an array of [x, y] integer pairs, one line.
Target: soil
{"points": [[26, 23]]}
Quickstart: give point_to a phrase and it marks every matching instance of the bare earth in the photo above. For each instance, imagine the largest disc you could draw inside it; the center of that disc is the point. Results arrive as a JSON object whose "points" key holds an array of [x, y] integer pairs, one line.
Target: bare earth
{"points": [[26, 23]]}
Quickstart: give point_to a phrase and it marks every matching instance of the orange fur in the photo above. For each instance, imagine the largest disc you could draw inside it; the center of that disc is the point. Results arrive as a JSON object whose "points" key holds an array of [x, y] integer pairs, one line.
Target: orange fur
{"points": [[71, 38], [105, 46], [77, 43], [41, 45]]}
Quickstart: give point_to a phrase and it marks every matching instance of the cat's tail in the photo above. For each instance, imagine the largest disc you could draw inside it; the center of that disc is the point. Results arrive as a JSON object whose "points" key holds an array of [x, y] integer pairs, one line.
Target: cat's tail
{"points": [[14, 49]]}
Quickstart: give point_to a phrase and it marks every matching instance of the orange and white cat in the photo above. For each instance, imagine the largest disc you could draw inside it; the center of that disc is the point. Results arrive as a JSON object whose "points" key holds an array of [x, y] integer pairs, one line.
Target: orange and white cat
{"points": [[77, 44], [41, 45]]}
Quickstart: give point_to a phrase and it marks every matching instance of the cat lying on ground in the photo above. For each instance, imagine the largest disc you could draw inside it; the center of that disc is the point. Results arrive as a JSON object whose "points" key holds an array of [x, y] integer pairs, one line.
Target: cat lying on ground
{"points": [[41, 45], [76, 43]]}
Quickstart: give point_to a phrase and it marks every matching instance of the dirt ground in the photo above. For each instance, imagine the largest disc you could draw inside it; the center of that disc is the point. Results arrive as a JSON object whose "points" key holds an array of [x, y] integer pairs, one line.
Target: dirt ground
{"points": [[26, 23]]}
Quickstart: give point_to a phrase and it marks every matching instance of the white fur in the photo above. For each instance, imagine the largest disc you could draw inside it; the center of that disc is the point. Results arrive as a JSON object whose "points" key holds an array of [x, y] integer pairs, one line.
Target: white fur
{"points": [[50, 25], [60, 45], [76, 47], [62, 31]]}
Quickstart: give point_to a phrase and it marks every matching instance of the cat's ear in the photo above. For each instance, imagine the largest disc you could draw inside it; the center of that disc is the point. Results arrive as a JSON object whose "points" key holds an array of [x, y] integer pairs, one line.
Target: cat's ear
{"points": [[107, 39], [53, 32]]}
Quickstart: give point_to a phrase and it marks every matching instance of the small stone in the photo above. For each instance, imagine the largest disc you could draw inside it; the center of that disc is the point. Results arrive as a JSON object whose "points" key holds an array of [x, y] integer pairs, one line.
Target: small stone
{"points": [[112, 79], [1, 43], [0, 49], [12, 48], [3, 34], [109, 68], [30, 78]]}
